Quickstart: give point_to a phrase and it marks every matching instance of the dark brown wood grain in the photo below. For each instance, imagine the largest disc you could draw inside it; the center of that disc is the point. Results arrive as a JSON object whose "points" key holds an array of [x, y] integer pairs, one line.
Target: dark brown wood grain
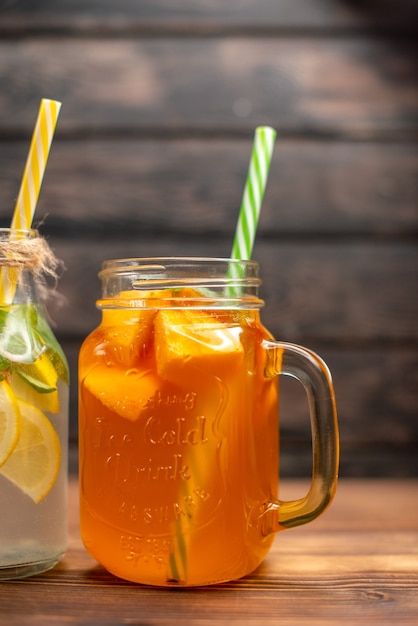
{"points": [[206, 17], [358, 562], [195, 185], [351, 88]]}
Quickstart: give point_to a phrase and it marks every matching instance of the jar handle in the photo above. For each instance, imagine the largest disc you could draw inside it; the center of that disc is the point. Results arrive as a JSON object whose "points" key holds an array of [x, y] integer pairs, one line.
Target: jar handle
{"points": [[309, 369]]}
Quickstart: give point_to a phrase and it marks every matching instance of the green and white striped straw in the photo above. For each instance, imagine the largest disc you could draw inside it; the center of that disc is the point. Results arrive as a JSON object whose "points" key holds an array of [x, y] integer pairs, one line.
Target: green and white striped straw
{"points": [[264, 139]]}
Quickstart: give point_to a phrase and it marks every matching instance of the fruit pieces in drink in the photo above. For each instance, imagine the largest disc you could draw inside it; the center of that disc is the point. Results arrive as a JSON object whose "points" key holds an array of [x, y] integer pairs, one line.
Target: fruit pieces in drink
{"points": [[184, 337], [36, 383], [129, 326], [166, 339], [31, 362], [122, 391], [10, 421], [34, 462]]}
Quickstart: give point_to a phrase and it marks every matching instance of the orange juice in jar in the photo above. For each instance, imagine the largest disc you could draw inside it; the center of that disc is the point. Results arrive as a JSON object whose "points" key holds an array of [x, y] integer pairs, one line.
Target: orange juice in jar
{"points": [[178, 424]]}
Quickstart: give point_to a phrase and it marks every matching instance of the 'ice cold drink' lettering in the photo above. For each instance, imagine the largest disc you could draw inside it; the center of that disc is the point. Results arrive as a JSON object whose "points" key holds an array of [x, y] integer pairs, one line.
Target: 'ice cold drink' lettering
{"points": [[121, 471], [181, 434], [184, 433]]}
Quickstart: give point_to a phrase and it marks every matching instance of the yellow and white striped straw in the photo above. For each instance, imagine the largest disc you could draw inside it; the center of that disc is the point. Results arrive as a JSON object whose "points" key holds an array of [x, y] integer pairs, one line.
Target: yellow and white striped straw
{"points": [[36, 164], [31, 185]]}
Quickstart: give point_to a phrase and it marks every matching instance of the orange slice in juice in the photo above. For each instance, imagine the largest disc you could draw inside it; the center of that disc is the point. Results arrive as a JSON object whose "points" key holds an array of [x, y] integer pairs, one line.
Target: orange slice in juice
{"points": [[127, 332], [125, 392], [125, 344], [189, 341]]}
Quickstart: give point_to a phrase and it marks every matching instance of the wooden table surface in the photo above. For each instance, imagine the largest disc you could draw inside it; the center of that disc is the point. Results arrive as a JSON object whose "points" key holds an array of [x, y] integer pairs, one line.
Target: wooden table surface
{"points": [[357, 564]]}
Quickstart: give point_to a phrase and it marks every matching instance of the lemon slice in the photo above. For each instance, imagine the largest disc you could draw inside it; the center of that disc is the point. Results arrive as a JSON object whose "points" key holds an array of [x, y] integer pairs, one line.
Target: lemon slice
{"points": [[34, 462], [9, 421]]}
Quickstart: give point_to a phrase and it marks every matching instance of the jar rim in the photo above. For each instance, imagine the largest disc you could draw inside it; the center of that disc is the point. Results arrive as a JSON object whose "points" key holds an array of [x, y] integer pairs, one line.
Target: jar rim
{"points": [[156, 264], [206, 282]]}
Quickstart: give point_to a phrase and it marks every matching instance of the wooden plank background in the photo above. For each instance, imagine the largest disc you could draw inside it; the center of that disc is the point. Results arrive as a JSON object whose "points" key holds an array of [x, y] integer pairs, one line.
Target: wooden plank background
{"points": [[160, 101]]}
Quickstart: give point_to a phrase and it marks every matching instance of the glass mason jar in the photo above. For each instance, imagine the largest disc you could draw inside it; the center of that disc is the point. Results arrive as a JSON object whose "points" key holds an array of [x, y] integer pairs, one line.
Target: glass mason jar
{"points": [[178, 424], [33, 413]]}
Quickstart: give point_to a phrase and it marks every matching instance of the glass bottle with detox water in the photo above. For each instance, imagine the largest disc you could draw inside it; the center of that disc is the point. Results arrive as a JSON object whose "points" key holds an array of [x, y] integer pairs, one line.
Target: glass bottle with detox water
{"points": [[33, 413]]}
